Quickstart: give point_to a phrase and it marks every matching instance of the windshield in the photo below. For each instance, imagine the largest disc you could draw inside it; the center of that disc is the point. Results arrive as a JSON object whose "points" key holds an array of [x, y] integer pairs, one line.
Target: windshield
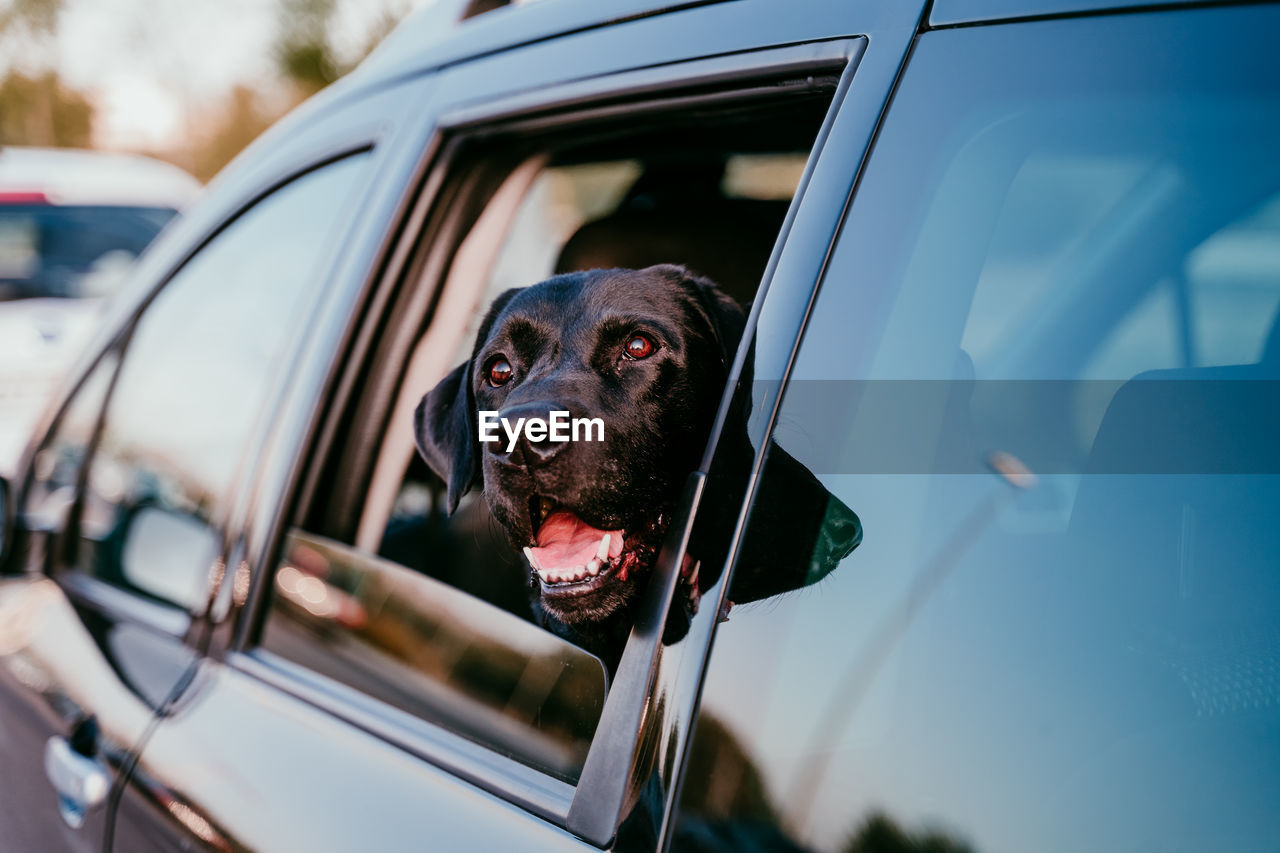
{"points": [[71, 251]]}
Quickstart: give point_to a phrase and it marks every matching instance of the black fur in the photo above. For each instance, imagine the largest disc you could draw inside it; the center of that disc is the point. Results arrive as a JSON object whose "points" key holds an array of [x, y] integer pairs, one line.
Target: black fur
{"points": [[564, 339]]}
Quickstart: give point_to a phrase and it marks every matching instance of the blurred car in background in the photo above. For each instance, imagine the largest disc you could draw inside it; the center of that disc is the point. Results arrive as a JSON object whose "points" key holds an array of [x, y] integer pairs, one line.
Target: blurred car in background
{"points": [[71, 225]]}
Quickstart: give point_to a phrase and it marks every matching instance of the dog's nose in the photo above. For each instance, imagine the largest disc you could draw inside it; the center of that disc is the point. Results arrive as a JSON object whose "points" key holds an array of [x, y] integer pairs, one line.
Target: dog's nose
{"points": [[549, 435]]}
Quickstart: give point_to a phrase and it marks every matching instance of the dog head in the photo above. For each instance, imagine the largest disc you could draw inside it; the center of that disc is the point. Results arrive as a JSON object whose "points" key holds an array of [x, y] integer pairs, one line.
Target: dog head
{"points": [[646, 352]]}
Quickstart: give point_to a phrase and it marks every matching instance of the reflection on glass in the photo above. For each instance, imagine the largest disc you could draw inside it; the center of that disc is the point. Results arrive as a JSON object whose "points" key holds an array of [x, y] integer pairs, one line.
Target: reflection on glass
{"points": [[195, 382], [58, 462], [1093, 662], [436, 652]]}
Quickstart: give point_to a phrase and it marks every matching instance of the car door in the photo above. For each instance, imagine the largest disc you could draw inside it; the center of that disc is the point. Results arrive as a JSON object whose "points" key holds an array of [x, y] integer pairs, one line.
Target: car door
{"points": [[123, 509], [342, 705]]}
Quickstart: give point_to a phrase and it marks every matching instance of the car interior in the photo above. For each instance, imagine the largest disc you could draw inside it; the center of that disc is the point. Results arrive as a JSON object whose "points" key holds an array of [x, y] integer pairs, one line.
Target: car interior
{"points": [[707, 187]]}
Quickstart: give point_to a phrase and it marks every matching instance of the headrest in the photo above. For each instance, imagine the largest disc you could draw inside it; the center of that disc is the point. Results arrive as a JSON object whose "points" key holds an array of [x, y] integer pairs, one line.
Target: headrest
{"points": [[676, 214]]}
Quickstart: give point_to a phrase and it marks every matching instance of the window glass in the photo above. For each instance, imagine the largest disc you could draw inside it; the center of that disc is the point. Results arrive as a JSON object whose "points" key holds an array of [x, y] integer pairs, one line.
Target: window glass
{"points": [[1042, 370], [195, 379], [1233, 288], [425, 647], [58, 463]]}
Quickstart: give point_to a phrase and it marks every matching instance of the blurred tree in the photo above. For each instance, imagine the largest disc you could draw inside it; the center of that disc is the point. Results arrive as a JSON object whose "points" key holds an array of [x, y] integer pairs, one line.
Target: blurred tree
{"points": [[38, 18], [40, 110], [220, 135], [304, 48], [881, 834], [37, 108]]}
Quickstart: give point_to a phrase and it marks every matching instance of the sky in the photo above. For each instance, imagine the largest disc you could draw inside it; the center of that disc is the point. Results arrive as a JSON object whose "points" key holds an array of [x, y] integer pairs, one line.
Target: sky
{"points": [[149, 63]]}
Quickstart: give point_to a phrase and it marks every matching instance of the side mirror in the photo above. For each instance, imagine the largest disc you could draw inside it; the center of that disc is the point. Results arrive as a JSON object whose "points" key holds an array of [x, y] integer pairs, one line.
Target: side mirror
{"points": [[167, 554]]}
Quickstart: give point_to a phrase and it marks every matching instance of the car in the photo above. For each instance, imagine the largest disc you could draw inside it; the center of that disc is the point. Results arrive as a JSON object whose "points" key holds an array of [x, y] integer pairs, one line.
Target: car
{"points": [[1014, 272], [71, 224]]}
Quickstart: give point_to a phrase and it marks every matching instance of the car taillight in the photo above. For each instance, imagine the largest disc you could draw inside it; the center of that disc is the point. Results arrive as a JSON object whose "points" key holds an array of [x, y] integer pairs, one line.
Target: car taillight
{"points": [[23, 197]]}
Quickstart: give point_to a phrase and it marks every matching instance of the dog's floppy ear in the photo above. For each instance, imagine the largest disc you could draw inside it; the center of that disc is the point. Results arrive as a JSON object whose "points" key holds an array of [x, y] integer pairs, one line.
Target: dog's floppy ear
{"points": [[444, 428], [726, 317]]}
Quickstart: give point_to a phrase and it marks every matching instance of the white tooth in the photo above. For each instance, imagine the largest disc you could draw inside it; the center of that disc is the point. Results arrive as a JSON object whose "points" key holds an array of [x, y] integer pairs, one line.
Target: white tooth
{"points": [[593, 568], [693, 576], [545, 575], [602, 553], [528, 555]]}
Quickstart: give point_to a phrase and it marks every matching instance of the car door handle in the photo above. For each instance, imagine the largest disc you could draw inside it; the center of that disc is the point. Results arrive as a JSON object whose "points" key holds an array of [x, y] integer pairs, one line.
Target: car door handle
{"points": [[81, 782]]}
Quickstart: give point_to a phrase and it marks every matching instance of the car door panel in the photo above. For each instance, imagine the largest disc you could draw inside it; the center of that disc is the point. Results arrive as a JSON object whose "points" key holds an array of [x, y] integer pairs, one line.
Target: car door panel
{"points": [[55, 672], [238, 739], [241, 764]]}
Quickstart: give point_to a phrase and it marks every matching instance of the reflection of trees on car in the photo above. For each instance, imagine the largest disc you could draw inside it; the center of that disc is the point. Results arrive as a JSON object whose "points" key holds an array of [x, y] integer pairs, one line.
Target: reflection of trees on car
{"points": [[882, 834], [726, 806]]}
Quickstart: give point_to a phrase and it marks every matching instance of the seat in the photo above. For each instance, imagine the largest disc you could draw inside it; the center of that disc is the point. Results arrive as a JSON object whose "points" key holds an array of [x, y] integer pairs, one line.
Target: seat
{"points": [[1189, 552], [675, 213]]}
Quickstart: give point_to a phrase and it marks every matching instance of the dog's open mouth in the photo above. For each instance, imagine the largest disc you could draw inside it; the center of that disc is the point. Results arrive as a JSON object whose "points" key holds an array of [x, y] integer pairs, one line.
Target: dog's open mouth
{"points": [[570, 556]]}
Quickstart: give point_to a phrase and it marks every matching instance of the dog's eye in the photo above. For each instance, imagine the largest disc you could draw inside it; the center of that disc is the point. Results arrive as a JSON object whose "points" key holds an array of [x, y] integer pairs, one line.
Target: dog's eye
{"points": [[499, 371], [639, 346]]}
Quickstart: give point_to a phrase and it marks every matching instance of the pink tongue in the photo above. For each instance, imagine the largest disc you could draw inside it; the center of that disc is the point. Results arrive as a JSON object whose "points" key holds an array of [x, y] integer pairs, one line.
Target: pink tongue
{"points": [[566, 541]]}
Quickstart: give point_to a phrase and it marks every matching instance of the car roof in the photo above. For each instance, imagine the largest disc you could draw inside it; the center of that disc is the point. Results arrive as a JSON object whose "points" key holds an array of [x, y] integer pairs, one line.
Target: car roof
{"points": [[450, 31], [77, 177]]}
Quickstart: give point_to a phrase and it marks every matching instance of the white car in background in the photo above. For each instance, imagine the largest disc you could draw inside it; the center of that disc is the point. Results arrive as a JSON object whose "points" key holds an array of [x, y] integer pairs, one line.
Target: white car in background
{"points": [[71, 225]]}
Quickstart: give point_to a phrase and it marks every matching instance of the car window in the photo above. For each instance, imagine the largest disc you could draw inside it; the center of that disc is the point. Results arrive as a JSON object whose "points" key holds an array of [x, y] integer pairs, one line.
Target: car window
{"points": [[590, 197], [1041, 369], [193, 385]]}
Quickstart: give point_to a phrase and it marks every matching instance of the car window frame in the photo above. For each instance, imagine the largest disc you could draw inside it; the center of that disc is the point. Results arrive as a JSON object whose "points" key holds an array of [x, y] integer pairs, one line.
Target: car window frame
{"points": [[775, 329], [417, 219]]}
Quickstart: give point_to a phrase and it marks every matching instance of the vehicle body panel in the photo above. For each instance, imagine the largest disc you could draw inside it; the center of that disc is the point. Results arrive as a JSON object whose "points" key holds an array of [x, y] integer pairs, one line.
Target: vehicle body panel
{"points": [[461, 93], [952, 12], [243, 765], [53, 672]]}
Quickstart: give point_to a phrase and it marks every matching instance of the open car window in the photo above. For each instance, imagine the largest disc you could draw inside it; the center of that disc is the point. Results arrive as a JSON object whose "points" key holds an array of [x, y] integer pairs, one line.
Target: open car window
{"points": [[706, 186]]}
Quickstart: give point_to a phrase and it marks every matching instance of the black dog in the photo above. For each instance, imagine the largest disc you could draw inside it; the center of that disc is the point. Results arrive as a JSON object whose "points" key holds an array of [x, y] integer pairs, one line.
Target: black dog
{"points": [[647, 352]]}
